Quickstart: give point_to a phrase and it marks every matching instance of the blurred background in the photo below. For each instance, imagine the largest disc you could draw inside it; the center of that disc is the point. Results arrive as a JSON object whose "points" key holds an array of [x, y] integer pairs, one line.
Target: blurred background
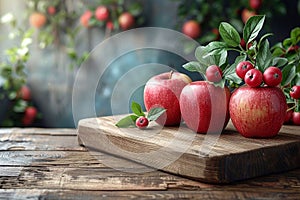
{"points": [[43, 44]]}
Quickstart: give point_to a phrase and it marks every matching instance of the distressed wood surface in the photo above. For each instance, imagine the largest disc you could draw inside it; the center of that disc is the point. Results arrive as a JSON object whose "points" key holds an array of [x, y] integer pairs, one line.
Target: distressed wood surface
{"points": [[49, 164], [210, 158]]}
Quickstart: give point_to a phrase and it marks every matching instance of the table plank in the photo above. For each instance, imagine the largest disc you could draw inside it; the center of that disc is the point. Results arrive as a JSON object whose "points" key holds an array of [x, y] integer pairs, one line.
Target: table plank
{"points": [[213, 158], [55, 172], [120, 195], [39, 139]]}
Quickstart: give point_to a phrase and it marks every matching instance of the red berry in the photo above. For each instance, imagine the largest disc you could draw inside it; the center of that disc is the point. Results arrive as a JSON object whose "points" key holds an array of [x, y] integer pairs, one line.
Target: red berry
{"points": [[293, 48], [102, 13], [296, 118], [253, 78], [142, 122], [255, 4], [295, 92], [214, 73], [272, 76], [242, 68], [243, 43]]}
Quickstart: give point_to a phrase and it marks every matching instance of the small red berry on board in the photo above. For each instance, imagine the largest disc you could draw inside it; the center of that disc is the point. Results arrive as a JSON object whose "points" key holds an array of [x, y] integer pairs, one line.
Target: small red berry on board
{"points": [[242, 68], [253, 78], [139, 118], [272, 76], [214, 73], [142, 122]]}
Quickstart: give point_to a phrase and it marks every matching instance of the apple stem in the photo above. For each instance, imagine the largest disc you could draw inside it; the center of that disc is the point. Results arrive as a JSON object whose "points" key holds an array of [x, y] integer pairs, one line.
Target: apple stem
{"points": [[170, 74]]}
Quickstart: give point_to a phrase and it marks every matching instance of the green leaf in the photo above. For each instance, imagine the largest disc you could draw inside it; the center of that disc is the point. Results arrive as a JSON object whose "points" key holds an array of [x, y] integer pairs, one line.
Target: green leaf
{"points": [[203, 58], [20, 106], [234, 78], [155, 113], [220, 59], [229, 34], [231, 69], [264, 56], [278, 52], [194, 66], [253, 27], [264, 37], [137, 109], [287, 42], [288, 74], [295, 35], [215, 48], [279, 61], [126, 122]]}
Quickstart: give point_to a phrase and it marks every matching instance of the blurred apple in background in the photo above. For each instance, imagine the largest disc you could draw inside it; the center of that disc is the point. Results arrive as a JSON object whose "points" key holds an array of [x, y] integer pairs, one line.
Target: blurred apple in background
{"points": [[102, 13], [126, 21], [192, 29], [246, 14], [25, 93], [85, 17], [37, 19]]}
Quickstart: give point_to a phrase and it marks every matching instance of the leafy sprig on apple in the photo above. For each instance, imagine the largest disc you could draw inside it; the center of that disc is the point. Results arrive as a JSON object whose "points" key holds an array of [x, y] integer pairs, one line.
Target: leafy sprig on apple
{"points": [[280, 63], [249, 47], [139, 118]]}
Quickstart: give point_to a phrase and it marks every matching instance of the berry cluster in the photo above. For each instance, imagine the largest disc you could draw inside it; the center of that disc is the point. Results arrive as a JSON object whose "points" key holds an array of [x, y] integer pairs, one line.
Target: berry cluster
{"points": [[253, 77], [112, 16], [293, 113]]}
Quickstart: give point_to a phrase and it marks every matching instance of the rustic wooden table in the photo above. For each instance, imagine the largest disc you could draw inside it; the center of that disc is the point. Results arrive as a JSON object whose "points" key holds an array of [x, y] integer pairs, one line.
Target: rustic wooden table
{"points": [[49, 164]]}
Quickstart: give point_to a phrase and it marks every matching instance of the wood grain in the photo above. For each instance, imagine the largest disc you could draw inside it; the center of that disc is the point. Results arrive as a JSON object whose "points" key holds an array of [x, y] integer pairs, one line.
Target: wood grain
{"points": [[231, 157], [43, 168]]}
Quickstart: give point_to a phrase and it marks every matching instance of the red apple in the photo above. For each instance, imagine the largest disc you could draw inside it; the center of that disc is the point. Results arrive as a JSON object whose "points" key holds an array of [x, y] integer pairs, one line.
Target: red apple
{"points": [[192, 29], [204, 107], [164, 90], [126, 21], [258, 112], [102, 13], [246, 14]]}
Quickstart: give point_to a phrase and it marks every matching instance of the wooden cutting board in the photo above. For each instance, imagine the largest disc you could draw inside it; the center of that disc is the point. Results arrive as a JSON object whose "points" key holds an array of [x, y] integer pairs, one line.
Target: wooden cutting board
{"points": [[209, 158]]}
